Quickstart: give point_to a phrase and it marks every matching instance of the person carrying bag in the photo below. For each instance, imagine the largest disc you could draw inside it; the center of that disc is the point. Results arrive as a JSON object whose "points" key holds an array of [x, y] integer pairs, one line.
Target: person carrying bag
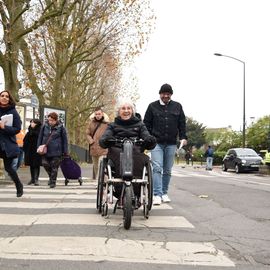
{"points": [[42, 149], [54, 136]]}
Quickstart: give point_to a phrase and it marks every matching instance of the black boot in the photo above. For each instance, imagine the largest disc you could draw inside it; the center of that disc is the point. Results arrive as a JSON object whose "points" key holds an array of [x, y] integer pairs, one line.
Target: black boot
{"points": [[36, 182], [36, 170], [19, 190], [53, 184], [31, 182]]}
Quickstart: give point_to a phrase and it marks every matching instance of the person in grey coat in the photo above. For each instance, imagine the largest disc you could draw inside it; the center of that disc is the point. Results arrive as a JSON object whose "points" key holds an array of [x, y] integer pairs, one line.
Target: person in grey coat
{"points": [[54, 135]]}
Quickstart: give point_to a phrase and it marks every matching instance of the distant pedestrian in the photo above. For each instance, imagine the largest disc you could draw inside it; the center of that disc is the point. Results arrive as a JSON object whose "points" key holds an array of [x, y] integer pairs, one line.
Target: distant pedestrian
{"points": [[188, 157], [164, 119], [54, 135], [209, 154], [10, 125], [31, 157], [95, 128]]}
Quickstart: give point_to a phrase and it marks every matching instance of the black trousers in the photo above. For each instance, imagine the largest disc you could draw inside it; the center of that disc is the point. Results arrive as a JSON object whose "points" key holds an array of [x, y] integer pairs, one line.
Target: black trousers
{"points": [[12, 173], [51, 165], [34, 173]]}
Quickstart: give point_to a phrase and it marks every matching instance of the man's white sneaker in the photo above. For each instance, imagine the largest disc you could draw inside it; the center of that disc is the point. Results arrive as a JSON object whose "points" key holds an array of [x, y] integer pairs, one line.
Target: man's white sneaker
{"points": [[165, 198], [156, 200]]}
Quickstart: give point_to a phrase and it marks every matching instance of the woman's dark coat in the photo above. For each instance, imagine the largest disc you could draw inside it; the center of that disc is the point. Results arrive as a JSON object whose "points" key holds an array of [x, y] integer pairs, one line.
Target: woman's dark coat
{"points": [[31, 157], [131, 128], [58, 143], [8, 135]]}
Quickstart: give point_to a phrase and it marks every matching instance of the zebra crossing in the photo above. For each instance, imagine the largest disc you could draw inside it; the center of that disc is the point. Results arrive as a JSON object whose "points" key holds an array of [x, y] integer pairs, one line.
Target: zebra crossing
{"points": [[42, 209]]}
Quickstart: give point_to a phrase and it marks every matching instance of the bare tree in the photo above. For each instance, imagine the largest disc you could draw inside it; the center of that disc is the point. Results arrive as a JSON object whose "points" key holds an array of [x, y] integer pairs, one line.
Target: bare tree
{"points": [[78, 56], [14, 30]]}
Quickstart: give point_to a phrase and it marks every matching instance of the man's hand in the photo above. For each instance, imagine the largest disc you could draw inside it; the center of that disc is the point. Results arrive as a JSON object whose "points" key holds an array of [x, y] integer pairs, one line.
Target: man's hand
{"points": [[183, 142], [180, 150], [2, 125]]}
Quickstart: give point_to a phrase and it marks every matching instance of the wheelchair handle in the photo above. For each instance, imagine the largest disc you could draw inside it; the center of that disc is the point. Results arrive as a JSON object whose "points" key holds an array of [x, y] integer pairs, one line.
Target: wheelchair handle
{"points": [[135, 141]]}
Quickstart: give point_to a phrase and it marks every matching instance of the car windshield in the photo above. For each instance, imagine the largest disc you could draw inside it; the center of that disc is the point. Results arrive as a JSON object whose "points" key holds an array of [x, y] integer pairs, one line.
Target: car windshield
{"points": [[246, 153]]}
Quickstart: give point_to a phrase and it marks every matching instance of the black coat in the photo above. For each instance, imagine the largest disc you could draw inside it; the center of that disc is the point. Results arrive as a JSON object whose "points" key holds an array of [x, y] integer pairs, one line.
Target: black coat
{"points": [[58, 143], [31, 157], [166, 122], [8, 142], [131, 128]]}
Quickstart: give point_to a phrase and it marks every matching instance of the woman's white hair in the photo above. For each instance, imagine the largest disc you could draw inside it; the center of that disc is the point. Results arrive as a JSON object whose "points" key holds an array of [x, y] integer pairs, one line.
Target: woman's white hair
{"points": [[124, 101]]}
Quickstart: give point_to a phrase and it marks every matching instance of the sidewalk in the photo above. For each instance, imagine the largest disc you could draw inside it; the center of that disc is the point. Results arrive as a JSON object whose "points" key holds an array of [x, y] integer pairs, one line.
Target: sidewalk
{"points": [[24, 174]]}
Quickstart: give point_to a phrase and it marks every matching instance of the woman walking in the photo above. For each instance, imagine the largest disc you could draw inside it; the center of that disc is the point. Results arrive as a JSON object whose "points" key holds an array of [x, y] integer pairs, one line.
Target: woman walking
{"points": [[31, 157], [54, 135], [10, 125]]}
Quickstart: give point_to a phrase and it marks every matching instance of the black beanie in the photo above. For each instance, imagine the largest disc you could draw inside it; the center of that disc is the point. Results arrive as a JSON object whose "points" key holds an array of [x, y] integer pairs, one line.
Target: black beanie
{"points": [[166, 88]]}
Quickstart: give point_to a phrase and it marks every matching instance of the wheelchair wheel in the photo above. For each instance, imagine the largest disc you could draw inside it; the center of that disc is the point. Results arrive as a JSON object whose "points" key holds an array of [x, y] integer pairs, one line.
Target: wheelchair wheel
{"points": [[100, 187], [104, 209], [127, 207], [149, 185]]}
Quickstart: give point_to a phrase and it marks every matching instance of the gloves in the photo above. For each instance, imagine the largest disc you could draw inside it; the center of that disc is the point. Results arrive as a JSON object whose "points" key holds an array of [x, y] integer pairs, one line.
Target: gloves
{"points": [[108, 142], [150, 142]]}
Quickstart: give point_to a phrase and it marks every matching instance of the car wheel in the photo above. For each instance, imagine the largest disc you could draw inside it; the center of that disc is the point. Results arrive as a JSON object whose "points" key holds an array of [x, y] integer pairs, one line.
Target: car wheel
{"points": [[237, 168], [224, 168]]}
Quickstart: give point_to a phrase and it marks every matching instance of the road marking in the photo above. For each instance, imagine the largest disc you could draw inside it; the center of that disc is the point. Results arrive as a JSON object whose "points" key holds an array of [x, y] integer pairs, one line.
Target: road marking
{"points": [[54, 190], [190, 175], [96, 248], [93, 219], [110, 249], [221, 175], [68, 196], [58, 204]]}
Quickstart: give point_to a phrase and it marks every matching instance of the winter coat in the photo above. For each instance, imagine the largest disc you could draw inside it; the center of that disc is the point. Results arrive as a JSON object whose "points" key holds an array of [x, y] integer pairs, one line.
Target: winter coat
{"points": [[31, 157], [8, 142], [95, 149], [166, 122], [131, 128], [58, 143]]}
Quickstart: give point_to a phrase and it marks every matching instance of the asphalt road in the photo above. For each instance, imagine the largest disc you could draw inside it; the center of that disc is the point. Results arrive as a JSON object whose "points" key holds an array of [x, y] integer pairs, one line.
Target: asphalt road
{"points": [[216, 220]]}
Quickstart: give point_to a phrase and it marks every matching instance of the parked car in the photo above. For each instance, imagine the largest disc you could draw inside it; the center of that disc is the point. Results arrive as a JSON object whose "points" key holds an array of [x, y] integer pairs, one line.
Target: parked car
{"points": [[241, 159]]}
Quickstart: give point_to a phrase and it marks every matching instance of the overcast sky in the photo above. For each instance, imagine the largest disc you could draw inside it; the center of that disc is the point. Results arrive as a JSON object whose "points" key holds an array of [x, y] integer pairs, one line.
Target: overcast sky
{"points": [[181, 53]]}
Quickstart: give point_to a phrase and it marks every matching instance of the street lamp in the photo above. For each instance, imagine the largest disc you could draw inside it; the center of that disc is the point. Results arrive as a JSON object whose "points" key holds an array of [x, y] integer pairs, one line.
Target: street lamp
{"points": [[244, 95]]}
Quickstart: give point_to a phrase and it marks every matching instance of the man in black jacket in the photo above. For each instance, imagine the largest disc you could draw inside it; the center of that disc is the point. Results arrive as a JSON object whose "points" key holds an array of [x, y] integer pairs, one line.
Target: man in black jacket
{"points": [[165, 119]]}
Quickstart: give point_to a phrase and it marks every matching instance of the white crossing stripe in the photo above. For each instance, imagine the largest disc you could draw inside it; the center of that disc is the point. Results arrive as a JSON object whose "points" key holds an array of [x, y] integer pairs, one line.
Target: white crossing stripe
{"points": [[49, 190], [59, 204], [190, 174], [94, 219], [95, 248], [27, 195], [104, 249]]}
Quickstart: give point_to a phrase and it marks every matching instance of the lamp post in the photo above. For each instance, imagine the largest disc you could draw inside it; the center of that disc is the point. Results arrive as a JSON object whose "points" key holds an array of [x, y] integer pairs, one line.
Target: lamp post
{"points": [[244, 95]]}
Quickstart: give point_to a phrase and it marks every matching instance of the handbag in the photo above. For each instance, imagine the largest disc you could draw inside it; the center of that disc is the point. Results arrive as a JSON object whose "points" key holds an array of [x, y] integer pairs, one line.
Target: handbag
{"points": [[42, 149]]}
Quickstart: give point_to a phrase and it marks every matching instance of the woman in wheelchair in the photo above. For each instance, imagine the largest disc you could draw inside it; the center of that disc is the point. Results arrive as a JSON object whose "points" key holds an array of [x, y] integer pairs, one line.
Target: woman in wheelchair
{"points": [[127, 125]]}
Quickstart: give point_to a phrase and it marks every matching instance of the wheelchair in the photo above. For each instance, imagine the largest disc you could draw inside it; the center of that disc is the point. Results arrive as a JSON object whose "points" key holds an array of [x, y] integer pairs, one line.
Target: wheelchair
{"points": [[129, 192]]}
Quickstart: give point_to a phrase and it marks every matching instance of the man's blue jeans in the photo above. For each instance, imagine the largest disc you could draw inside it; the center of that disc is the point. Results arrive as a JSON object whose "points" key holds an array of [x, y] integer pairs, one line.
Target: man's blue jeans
{"points": [[162, 157], [209, 163]]}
